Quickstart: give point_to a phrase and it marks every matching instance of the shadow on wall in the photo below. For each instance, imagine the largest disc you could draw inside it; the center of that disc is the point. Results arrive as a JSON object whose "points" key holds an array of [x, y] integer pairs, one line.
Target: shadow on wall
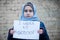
{"points": [[0, 37], [57, 2], [5, 2]]}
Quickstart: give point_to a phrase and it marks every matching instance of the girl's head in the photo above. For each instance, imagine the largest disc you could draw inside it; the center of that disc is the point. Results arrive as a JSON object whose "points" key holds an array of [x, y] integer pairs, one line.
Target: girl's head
{"points": [[28, 10]]}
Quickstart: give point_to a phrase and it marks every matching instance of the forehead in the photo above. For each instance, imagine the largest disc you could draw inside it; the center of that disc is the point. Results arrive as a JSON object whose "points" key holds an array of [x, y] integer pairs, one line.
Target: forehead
{"points": [[28, 7]]}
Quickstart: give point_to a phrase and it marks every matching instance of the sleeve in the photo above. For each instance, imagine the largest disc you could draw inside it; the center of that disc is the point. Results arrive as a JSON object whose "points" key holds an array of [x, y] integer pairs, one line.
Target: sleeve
{"points": [[10, 35], [43, 36]]}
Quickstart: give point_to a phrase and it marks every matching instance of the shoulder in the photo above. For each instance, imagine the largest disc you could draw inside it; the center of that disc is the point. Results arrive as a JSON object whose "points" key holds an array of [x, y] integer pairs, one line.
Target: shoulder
{"points": [[42, 24]]}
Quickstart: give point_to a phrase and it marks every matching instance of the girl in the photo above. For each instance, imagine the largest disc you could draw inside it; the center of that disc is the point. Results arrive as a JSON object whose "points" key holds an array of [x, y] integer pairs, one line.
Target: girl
{"points": [[29, 14]]}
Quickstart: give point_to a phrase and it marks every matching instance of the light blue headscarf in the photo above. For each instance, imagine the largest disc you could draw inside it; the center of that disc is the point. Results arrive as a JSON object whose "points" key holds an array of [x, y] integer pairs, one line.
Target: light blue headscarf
{"points": [[34, 18]]}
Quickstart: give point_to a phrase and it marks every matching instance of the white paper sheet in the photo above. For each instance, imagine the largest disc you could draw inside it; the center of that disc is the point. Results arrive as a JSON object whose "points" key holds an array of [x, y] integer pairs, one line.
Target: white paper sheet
{"points": [[26, 29]]}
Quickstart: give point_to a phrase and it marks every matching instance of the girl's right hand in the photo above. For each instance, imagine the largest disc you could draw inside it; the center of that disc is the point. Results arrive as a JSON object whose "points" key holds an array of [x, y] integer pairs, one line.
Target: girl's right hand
{"points": [[12, 31]]}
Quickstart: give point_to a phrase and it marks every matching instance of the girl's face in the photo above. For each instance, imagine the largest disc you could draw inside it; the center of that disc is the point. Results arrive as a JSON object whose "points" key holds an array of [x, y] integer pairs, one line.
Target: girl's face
{"points": [[28, 12]]}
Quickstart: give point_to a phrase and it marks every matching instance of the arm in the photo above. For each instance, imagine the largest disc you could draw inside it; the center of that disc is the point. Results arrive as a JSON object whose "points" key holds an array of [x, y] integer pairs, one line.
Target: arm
{"points": [[10, 35], [43, 36]]}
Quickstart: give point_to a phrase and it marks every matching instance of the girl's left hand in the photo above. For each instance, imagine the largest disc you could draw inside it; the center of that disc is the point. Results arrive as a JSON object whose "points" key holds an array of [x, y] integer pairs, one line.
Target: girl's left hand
{"points": [[40, 31]]}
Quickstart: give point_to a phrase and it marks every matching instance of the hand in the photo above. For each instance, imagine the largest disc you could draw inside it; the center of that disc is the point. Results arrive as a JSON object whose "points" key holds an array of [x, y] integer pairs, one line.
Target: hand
{"points": [[12, 31], [40, 31]]}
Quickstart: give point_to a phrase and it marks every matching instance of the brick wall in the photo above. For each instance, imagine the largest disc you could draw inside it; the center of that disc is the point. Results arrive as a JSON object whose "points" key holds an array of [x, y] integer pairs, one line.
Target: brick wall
{"points": [[47, 10]]}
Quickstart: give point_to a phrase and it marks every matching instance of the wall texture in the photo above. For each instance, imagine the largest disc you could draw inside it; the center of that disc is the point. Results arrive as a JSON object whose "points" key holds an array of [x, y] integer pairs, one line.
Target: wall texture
{"points": [[47, 10]]}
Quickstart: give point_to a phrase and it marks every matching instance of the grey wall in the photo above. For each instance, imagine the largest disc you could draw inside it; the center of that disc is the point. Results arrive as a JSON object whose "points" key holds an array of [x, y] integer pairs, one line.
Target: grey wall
{"points": [[47, 10]]}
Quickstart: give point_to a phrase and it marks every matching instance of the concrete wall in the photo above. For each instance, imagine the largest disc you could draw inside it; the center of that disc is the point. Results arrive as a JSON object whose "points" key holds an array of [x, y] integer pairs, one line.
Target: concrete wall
{"points": [[47, 10]]}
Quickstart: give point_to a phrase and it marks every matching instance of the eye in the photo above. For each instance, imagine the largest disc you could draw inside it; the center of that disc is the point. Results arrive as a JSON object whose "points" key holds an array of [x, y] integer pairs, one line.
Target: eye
{"points": [[25, 10], [30, 10]]}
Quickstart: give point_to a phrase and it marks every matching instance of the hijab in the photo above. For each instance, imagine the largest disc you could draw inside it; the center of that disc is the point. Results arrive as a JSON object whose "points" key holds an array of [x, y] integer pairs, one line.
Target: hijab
{"points": [[34, 18]]}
